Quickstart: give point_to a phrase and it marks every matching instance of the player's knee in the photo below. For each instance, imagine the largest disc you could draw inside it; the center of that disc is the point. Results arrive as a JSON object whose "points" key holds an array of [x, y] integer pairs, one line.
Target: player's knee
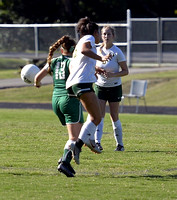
{"points": [[96, 120]]}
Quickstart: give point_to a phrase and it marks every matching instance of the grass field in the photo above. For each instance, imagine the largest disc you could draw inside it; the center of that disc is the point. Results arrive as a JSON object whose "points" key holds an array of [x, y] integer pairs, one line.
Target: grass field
{"points": [[12, 63], [31, 141], [160, 90]]}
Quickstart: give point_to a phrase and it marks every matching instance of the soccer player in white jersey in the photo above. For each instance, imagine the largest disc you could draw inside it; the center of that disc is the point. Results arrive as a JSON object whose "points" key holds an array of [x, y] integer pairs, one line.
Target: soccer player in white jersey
{"points": [[81, 79], [108, 87]]}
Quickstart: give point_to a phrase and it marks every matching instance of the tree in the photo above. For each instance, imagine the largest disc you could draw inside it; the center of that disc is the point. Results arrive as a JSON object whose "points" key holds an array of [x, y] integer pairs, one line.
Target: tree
{"points": [[152, 8], [33, 11], [52, 11]]}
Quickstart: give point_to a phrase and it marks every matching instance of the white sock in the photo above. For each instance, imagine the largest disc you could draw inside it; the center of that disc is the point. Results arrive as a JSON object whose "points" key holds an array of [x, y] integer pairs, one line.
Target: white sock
{"points": [[68, 143], [87, 130], [99, 131], [92, 136], [117, 128]]}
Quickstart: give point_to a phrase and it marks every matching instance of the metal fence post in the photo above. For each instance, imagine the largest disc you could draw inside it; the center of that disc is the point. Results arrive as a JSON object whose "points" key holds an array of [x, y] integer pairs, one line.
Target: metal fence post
{"points": [[129, 29], [159, 40], [76, 33], [36, 41]]}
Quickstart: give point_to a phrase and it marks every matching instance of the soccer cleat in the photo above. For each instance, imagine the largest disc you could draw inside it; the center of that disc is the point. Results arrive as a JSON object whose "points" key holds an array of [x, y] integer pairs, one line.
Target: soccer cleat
{"points": [[76, 152], [63, 168], [119, 148], [68, 166], [99, 146], [92, 145]]}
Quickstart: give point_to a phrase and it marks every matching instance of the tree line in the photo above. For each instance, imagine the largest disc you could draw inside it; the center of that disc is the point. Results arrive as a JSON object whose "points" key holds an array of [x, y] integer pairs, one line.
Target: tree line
{"points": [[70, 11]]}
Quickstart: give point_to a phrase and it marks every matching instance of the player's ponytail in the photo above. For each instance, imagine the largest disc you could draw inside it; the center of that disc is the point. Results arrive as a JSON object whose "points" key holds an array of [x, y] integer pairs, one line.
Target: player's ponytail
{"points": [[67, 43]]}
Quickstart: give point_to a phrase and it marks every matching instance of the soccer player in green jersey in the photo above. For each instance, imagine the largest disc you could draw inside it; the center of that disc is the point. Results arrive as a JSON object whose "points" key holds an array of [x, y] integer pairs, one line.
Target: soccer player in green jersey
{"points": [[67, 108]]}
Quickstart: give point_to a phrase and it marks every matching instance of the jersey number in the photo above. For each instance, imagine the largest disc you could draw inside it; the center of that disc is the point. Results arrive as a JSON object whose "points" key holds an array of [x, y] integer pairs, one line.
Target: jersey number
{"points": [[60, 70]]}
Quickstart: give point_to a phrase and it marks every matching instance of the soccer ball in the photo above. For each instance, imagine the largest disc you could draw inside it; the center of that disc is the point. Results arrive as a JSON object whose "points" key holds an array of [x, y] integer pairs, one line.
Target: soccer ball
{"points": [[28, 73]]}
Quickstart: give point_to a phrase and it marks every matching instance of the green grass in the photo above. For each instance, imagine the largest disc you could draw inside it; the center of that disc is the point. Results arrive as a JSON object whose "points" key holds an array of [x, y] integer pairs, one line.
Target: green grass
{"points": [[12, 63], [10, 67], [9, 73], [31, 141], [27, 94], [160, 92]]}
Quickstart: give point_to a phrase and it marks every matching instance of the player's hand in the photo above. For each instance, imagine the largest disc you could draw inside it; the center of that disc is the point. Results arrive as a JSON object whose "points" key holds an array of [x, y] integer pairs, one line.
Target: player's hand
{"points": [[109, 74], [99, 70], [38, 85], [107, 58]]}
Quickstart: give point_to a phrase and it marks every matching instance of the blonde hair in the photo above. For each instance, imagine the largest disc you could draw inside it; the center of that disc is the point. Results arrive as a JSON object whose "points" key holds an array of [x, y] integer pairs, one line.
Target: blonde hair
{"points": [[112, 31]]}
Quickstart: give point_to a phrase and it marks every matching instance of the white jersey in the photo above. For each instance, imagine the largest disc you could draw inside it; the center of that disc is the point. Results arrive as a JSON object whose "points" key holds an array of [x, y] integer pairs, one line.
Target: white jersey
{"points": [[82, 67], [110, 66]]}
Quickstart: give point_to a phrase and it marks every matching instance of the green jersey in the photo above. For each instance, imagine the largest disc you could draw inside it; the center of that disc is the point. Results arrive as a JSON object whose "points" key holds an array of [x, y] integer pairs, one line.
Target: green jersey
{"points": [[68, 109], [60, 70]]}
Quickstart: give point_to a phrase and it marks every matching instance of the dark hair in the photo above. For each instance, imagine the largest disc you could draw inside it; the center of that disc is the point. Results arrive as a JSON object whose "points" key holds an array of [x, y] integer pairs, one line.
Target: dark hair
{"points": [[86, 27], [66, 42]]}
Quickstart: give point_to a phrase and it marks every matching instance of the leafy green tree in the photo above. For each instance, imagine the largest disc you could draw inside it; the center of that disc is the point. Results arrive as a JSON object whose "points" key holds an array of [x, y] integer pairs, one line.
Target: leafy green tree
{"points": [[33, 11], [152, 8], [52, 11]]}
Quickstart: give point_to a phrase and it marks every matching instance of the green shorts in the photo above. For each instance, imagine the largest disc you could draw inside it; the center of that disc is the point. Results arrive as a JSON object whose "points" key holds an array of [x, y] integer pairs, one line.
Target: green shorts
{"points": [[80, 88], [68, 109], [110, 94]]}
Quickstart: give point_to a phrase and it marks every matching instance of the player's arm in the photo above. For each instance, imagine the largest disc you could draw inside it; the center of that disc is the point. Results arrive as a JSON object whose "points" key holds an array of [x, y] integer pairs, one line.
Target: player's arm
{"points": [[40, 75], [124, 71], [86, 50], [70, 67]]}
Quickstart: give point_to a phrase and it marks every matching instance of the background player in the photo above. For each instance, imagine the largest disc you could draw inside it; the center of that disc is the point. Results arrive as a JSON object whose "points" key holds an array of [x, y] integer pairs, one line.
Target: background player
{"points": [[109, 87]]}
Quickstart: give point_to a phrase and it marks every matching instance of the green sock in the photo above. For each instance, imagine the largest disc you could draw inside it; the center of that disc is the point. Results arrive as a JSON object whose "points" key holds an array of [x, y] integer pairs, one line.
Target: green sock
{"points": [[65, 152], [67, 156]]}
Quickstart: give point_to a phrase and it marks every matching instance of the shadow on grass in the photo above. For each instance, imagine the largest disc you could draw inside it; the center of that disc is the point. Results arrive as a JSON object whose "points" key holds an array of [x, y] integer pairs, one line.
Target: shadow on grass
{"points": [[122, 175], [160, 177], [153, 151], [165, 177]]}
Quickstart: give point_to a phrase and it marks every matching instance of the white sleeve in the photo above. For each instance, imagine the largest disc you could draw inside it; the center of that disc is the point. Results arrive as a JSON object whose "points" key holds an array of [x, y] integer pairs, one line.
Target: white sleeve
{"points": [[90, 39], [120, 56]]}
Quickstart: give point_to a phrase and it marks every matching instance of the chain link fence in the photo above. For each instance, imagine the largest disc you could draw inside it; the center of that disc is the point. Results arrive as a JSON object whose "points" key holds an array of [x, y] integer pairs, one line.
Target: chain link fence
{"points": [[144, 41]]}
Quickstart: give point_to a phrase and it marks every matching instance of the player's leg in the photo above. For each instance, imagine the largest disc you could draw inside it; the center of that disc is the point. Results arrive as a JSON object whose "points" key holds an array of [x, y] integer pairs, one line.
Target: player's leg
{"points": [[72, 112], [89, 101], [91, 105], [99, 129], [115, 98], [116, 124], [87, 134], [64, 165], [73, 131]]}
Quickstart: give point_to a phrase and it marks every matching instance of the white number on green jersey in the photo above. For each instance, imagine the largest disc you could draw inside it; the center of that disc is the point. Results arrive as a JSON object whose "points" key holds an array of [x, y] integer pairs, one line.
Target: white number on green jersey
{"points": [[60, 70]]}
